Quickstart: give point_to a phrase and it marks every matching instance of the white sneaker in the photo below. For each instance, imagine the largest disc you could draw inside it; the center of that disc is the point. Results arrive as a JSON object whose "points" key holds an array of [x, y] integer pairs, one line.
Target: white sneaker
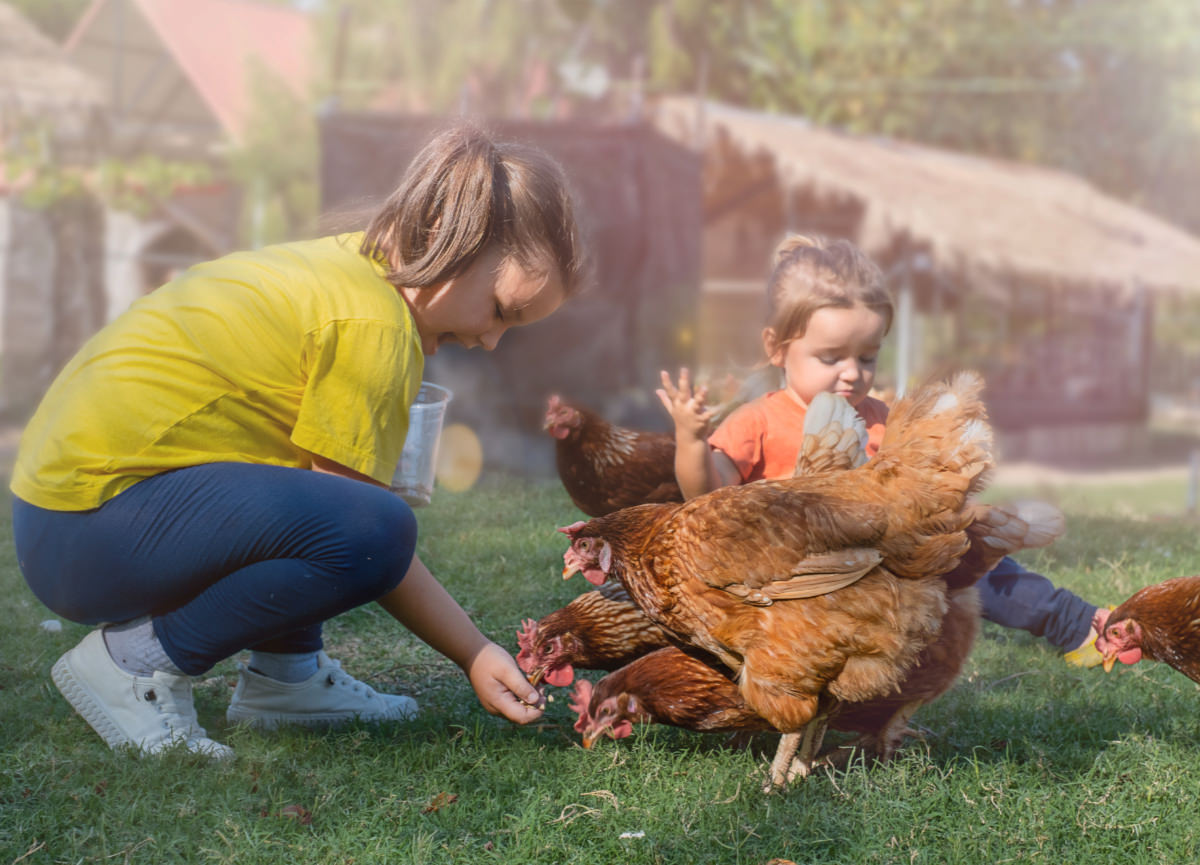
{"points": [[329, 696], [151, 713]]}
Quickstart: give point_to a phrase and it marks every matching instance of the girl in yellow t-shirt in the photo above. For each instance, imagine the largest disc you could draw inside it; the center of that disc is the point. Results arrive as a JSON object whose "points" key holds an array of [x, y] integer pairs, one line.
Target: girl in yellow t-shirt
{"points": [[210, 471]]}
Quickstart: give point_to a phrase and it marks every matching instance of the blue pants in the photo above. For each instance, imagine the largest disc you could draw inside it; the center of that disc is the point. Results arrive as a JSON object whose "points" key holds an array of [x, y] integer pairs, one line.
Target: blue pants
{"points": [[225, 557], [1017, 598]]}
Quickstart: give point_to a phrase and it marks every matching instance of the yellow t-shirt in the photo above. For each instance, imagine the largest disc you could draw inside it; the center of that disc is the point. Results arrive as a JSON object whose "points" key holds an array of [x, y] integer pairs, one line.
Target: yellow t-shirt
{"points": [[261, 357]]}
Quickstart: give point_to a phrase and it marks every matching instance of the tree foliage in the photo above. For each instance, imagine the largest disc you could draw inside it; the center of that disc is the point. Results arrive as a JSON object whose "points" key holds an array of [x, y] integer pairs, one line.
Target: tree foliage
{"points": [[1106, 88], [55, 18]]}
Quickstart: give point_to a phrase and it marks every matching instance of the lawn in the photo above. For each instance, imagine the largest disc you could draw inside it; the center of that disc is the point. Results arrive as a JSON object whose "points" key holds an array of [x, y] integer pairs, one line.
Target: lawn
{"points": [[1026, 759]]}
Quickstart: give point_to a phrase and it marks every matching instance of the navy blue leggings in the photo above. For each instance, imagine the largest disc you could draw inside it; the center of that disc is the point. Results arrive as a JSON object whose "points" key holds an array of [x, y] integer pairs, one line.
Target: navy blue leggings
{"points": [[1015, 597], [226, 557]]}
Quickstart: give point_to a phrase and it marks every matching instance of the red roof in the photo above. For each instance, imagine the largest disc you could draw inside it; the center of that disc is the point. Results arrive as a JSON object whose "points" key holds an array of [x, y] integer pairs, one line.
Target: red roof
{"points": [[214, 43]]}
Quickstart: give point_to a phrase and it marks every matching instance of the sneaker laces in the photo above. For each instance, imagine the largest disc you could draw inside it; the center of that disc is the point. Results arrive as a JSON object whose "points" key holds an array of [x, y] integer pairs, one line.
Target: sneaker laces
{"points": [[171, 697], [335, 677]]}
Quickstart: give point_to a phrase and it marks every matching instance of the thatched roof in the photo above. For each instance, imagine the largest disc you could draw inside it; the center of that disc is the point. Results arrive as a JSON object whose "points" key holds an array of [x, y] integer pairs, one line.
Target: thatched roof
{"points": [[983, 218], [35, 80]]}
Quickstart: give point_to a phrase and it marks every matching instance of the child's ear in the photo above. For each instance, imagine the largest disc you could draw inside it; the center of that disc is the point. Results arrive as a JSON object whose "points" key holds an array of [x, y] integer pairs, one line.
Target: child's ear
{"points": [[775, 351]]}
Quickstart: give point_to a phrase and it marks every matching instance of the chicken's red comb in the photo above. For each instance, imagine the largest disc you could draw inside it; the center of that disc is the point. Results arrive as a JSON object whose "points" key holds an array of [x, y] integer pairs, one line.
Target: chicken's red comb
{"points": [[525, 642], [525, 636], [573, 529], [581, 698], [555, 402]]}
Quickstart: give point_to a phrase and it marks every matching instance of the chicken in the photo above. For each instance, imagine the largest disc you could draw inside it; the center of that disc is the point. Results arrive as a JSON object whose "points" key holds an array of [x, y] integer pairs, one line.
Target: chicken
{"points": [[684, 690], [599, 630], [817, 588], [1160, 622], [667, 686], [605, 467]]}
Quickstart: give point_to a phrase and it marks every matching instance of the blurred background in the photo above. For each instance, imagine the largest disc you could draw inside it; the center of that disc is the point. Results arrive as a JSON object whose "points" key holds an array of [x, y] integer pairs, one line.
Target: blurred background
{"points": [[1025, 172]]}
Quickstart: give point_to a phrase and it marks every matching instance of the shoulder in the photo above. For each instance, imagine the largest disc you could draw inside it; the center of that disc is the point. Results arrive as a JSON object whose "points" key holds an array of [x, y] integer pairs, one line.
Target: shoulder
{"points": [[749, 415]]}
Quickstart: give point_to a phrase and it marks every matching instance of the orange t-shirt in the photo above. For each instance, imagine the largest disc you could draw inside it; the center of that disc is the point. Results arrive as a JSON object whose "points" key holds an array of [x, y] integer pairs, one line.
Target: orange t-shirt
{"points": [[763, 437]]}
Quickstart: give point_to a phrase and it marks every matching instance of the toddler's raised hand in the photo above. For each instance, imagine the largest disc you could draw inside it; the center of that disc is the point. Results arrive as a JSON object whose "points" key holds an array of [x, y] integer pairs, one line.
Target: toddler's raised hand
{"points": [[685, 404]]}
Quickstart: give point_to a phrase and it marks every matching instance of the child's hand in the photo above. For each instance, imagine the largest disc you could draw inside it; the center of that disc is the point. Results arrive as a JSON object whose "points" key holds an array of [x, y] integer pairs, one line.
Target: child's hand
{"points": [[502, 688], [685, 405]]}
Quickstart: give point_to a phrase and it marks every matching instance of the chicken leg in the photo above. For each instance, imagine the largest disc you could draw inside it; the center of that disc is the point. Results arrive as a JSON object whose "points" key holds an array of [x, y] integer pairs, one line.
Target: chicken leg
{"points": [[797, 752]]}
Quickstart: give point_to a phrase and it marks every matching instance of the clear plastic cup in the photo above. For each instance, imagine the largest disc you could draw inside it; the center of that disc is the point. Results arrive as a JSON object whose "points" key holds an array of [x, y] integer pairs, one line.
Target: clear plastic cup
{"points": [[413, 479]]}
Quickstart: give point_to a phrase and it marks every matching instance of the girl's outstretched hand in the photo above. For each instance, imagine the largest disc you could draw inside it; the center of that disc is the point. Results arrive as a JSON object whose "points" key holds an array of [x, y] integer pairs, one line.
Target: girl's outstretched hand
{"points": [[502, 688], [685, 405]]}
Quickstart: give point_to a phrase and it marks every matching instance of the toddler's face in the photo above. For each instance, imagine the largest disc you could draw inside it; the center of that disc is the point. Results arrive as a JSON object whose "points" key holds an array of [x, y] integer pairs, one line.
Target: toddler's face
{"points": [[476, 307], [837, 354]]}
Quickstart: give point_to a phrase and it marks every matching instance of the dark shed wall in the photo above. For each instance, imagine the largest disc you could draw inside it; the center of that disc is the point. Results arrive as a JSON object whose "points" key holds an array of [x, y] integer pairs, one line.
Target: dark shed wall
{"points": [[640, 204]]}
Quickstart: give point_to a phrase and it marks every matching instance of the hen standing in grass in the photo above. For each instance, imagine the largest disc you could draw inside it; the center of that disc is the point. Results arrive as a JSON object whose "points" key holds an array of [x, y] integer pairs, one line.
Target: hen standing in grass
{"points": [[694, 692], [1160, 622], [605, 467], [599, 630], [815, 588]]}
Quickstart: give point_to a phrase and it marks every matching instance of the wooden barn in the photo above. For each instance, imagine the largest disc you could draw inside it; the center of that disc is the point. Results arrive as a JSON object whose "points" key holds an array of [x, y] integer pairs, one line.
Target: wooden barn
{"points": [[1028, 274], [641, 207]]}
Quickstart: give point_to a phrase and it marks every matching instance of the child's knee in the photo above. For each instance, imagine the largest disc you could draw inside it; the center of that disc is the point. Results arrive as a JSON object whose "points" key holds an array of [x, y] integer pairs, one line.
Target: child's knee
{"points": [[384, 542]]}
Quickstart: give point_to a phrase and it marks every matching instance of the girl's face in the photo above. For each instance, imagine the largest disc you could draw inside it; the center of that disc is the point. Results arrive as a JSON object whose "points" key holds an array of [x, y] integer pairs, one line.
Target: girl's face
{"points": [[476, 307], [836, 354]]}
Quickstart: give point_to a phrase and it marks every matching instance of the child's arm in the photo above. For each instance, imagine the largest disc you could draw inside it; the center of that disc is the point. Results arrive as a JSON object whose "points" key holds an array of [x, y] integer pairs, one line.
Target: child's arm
{"points": [[425, 608], [698, 468]]}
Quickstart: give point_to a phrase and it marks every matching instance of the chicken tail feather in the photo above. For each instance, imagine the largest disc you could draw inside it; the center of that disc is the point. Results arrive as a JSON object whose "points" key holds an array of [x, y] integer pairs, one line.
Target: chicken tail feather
{"points": [[941, 430]]}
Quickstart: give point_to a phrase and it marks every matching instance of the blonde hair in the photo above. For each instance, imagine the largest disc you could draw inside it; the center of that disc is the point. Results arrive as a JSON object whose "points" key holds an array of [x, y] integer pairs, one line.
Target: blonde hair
{"points": [[812, 273], [464, 192]]}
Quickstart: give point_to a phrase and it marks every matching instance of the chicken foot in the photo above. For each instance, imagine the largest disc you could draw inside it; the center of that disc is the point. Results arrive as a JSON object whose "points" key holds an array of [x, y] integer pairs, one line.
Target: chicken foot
{"points": [[804, 761], [796, 753]]}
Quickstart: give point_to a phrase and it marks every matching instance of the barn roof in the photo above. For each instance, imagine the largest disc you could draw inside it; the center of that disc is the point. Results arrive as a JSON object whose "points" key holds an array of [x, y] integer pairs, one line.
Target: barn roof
{"points": [[971, 214], [146, 50]]}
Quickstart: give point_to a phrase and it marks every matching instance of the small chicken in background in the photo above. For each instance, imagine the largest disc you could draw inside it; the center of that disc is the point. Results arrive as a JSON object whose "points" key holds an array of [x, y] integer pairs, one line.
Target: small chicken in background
{"points": [[1158, 623], [814, 589], [605, 467], [599, 630]]}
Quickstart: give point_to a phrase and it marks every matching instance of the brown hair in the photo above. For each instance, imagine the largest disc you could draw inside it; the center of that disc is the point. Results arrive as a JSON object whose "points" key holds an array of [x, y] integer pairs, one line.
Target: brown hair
{"points": [[466, 191], [812, 273]]}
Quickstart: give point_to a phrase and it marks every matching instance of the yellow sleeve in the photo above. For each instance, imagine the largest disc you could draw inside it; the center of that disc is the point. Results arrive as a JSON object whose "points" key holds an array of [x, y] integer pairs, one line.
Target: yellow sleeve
{"points": [[362, 376]]}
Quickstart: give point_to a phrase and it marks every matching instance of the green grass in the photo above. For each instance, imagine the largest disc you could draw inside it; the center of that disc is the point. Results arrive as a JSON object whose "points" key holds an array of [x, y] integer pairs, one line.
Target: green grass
{"points": [[1027, 759]]}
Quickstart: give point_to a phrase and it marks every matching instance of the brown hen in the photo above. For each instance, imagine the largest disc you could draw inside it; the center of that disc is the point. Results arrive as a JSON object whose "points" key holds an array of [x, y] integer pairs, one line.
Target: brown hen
{"points": [[1160, 622], [682, 688], [605, 467], [816, 588], [689, 691], [599, 630]]}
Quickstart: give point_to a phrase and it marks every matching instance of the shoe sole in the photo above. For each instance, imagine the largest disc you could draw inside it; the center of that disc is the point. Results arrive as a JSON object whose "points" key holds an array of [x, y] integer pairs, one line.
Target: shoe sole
{"points": [[84, 702]]}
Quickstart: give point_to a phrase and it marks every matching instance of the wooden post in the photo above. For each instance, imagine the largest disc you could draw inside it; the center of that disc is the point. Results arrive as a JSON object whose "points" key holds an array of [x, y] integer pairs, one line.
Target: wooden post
{"points": [[904, 330], [1193, 482]]}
